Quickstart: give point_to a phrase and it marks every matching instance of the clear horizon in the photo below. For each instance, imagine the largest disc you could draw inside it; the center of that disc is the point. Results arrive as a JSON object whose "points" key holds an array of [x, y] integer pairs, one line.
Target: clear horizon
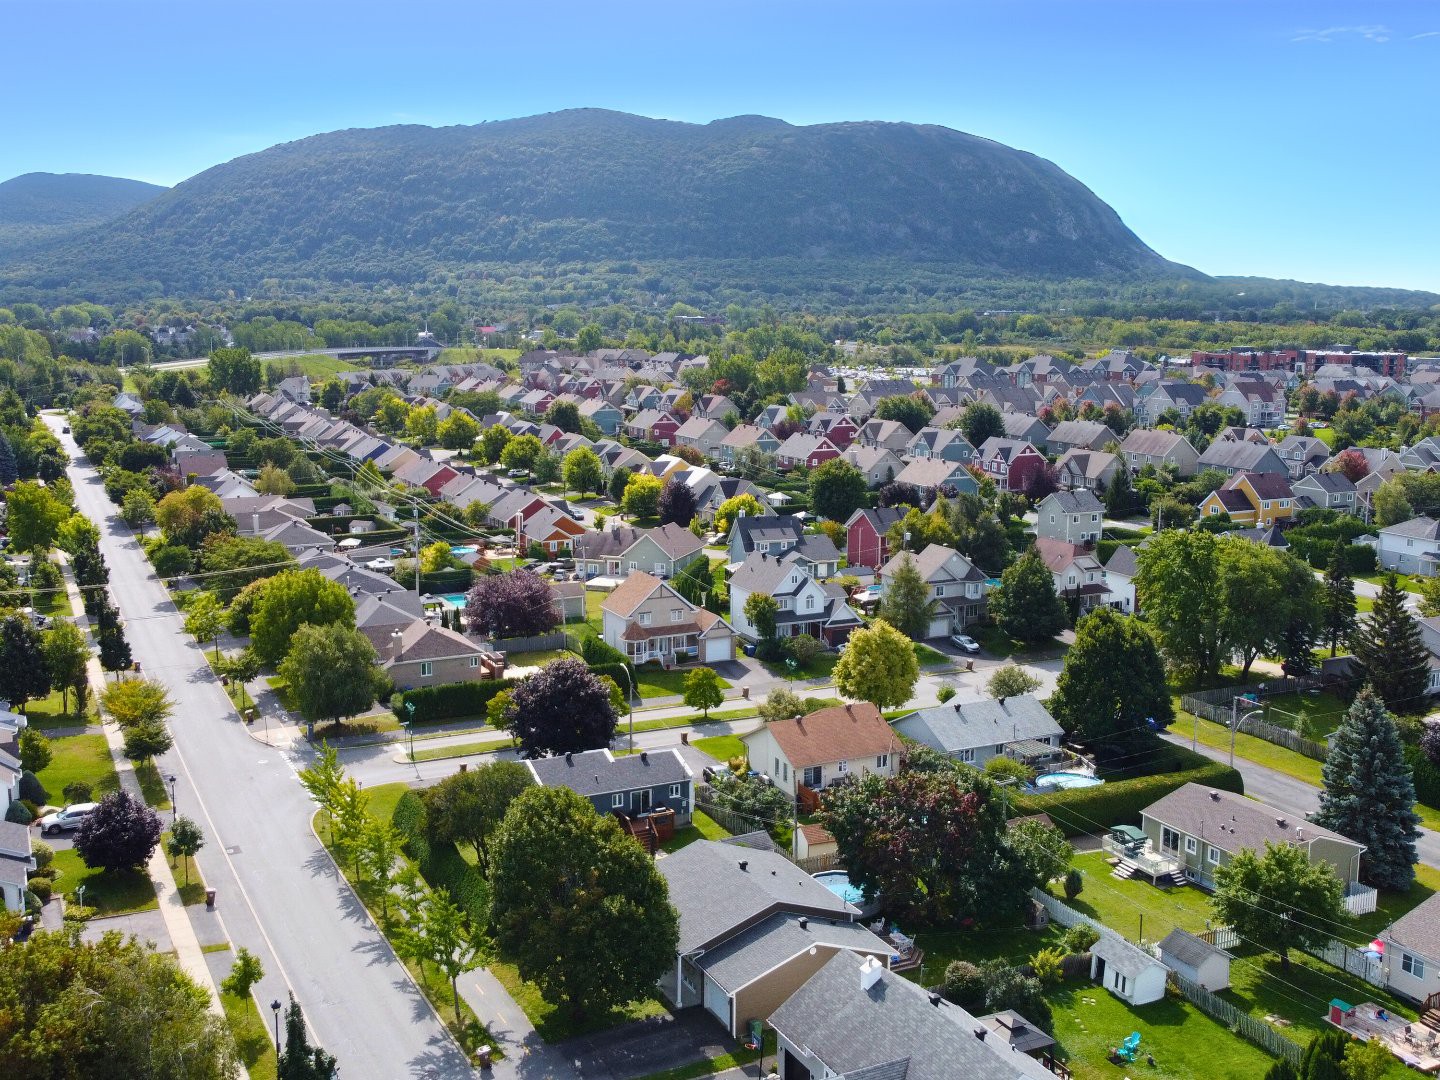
{"points": [[1284, 140]]}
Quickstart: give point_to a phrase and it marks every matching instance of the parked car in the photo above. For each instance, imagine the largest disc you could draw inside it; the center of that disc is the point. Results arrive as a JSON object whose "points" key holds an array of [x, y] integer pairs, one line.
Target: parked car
{"points": [[41, 622], [517, 474], [965, 643], [67, 819]]}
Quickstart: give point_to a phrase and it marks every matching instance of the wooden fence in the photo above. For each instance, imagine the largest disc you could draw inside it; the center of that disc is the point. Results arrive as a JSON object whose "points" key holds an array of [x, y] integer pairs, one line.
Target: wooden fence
{"points": [[538, 643], [1243, 1024]]}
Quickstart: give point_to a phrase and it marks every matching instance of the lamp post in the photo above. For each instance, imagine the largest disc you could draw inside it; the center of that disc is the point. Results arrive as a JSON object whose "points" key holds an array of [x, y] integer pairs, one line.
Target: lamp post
{"points": [[275, 1010], [1236, 720], [174, 807], [630, 700], [80, 895], [409, 725]]}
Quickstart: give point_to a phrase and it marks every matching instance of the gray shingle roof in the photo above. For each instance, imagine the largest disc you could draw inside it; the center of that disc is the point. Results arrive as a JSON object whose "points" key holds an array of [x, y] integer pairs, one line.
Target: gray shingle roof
{"points": [[714, 896], [1189, 949], [745, 957], [1231, 822], [1128, 959], [598, 772], [1418, 928], [951, 727], [1075, 502], [1421, 528], [851, 1029]]}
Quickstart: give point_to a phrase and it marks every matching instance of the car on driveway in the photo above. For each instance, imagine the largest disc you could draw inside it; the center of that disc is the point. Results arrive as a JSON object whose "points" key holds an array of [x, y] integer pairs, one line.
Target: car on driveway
{"points": [[67, 819], [965, 643]]}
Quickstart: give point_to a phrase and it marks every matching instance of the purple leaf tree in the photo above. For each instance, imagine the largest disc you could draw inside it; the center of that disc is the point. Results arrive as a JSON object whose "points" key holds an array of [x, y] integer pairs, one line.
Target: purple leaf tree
{"points": [[517, 604]]}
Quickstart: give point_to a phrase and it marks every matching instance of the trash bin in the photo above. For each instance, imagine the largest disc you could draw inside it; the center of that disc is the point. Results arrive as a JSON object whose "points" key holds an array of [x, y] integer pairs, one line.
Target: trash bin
{"points": [[684, 738], [482, 1057], [210, 899], [745, 692]]}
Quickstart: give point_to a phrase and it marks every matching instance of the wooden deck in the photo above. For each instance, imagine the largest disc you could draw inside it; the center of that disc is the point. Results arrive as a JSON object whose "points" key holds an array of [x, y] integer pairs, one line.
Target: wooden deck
{"points": [[1413, 1043]]}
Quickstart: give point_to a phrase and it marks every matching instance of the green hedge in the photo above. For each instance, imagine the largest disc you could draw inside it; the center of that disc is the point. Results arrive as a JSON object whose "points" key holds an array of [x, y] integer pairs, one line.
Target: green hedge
{"points": [[434, 703], [1119, 802], [598, 653], [1427, 776], [447, 581], [617, 672], [441, 865]]}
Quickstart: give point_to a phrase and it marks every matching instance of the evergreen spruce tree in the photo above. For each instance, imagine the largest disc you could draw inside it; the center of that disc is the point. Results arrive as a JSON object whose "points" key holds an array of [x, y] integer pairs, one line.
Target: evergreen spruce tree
{"points": [[906, 605], [1119, 497], [1389, 647], [9, 472], [1369, 793], [300, 1060], [114, 649], [1338, 601]]}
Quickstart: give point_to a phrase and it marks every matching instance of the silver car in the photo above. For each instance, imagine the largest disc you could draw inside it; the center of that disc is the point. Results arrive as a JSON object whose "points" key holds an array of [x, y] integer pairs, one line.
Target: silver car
{"points": [[67, 819]]}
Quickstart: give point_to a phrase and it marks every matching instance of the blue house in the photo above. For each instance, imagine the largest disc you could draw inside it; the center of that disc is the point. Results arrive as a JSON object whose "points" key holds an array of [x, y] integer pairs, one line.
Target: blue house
{"points": [[650, 792]]}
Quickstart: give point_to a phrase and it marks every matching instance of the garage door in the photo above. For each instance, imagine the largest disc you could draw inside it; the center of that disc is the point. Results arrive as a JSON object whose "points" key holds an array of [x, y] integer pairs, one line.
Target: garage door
{"points": [[719, 648]]}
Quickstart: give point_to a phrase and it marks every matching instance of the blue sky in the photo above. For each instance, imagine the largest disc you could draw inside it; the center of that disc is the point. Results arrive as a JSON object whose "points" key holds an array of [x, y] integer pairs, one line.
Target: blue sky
{"points": [[1263, 137]]}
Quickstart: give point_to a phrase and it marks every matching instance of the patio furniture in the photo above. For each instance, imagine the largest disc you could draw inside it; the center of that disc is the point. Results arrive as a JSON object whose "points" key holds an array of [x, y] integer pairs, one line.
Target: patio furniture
{"points": [[1129, 1048]]}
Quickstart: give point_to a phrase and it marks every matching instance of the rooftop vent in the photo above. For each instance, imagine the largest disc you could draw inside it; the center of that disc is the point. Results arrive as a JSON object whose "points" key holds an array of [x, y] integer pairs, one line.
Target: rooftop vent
{"points": [[644, 758], [979, 1032], [804, 922], [1214, 796], [569, 758], [1280, 821], [744, 864]]}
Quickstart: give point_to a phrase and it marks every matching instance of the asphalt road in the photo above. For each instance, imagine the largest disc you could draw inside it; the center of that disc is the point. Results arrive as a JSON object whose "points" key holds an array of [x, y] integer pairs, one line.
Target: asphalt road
{"points": [[1294, 796], [278, 892]]}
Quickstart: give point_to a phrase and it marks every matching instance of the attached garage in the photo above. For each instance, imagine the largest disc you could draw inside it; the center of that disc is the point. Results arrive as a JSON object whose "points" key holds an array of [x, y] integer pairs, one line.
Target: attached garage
{"points": [[718, 647]]}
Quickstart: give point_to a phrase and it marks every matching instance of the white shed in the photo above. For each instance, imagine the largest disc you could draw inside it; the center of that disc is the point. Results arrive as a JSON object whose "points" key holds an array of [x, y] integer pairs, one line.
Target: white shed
{"points": [[1127, 971], [1196, 959]]}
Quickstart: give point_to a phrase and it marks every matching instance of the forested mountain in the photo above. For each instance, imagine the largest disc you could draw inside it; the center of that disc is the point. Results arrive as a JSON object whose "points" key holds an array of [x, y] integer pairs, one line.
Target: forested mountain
{"points": [[39, 207], [588, 188]]}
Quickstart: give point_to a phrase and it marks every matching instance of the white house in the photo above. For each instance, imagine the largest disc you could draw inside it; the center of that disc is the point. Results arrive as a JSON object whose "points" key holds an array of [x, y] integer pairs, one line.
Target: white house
{"points": [[1411, 547], [1075, 517], [824, 748], [952, 583], [1412, 951]]}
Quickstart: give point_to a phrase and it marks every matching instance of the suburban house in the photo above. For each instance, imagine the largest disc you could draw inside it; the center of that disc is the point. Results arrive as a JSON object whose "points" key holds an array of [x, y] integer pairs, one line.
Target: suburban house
{"points": [[646, 619], [754, 928], [936, 473], [16, 859], [651, 792], [824, 748], [1160, 397], [1232, 456], [1024, 426], [943, 443], [855, 1019], [552, 528], [805, 450], [1260, 499], [1410, 547], [1078, 575], [1078, 435], [1076, 517], [1011, 463], [616, 552], [1196, 959], [1262, 404], [975, 732], [425, 655], [701, 434], [1303, 454], [889, 434], [746, 437], [1202, 828], [879, 463], [865, 543], [806, 606], [1087, 470], [781, 534], [1119, 578], [1412, 951], [605, 415], [1328, 490], [653, 425], [1144, 446], [954, 584]]}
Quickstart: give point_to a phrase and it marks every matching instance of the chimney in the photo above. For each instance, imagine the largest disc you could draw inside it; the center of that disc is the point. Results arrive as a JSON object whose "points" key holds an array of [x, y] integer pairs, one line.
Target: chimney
{"points": [[1214, 796], [744, 865], [1282, 823], [935, 1000], [569, 758], [644, 758], [870, 972], [804, 922], [1001, 702], [255, 524], [1299, 833]]}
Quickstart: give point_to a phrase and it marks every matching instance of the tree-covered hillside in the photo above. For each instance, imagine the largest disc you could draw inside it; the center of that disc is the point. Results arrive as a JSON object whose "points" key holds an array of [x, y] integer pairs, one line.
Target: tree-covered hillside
{"points": [[39, 207], [594, 187]]}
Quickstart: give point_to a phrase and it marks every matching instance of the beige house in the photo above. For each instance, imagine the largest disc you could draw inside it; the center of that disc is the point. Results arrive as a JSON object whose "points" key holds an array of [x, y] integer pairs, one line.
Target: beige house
{"points": [[824, 748], [647, 620], [426, 655], [1144, 446]]}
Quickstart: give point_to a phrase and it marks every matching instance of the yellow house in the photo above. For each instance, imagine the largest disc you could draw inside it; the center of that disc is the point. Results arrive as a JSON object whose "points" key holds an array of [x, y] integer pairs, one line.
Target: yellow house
{"points": [[1256, 499]]}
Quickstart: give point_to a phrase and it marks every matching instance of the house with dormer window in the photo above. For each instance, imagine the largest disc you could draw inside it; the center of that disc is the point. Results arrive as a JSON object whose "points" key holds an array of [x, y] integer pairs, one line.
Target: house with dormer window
{"points": [[953, 584]]}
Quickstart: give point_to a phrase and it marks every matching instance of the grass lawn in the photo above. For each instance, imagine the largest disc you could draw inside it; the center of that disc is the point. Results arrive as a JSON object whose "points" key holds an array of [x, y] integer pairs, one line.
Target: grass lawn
{"points": [[654, 681], [79, 757], [720, 747], [553, 1024], [1312, 715], [693, 719], [50, 712], [252, 1037], [188, 878], [463, 749], [1123, 904], [994, 643], [316, 366], [716, 1065], [152, 786], [701, 827], [282, 692], [929, 657], [822, 666], [1186, 1043], [53, 603], [1364, 604], [942, 947], [108, 892], [1407, 582], [537, 659]]}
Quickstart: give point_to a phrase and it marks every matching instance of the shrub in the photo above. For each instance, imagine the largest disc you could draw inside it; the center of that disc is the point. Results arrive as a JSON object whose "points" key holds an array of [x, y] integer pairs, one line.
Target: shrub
{"points": [[77, 791], [1004, 768], [42, 887], [945, 693], [1118, 802], [1080, 938], [1046, 965], [409, 819], [441, 864], [596, 652], [18, 813], [31, 790], [1074, 883], [964, 985], [453, 699], [170, 560], [42, 853], [802, 648]]}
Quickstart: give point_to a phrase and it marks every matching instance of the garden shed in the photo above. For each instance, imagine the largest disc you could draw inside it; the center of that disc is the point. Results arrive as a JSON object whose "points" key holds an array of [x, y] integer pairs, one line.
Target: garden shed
{"points": [[1126, 970], [1196, 959]]}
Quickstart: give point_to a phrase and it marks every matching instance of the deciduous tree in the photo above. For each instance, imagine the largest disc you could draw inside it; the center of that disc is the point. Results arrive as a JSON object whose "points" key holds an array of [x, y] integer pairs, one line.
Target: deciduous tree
{"points": [[521, 452], [23, 673], [147, 740], [906, 604], [562, 707], [1179, 588], [642, 496], [878, 666], [205, 618], [292, 599], [185, 842], [468, 807], [513, 604], [837, 489], [583, 471], [980, 421], [1112, 687], [331, 671], [136, 701], [702, 690], [577, 905], [1026, 606], [1011, 680], [458, 431], [731, 509], [1279, 899], [677, 503], [33, 516], [188, 516], [121, 833]]}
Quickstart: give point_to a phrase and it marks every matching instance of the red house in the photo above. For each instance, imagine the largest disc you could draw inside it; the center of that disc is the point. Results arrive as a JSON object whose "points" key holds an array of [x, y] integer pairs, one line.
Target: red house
{"points": [[865, 536], [439, 479], [653, 425], [1011, 463], [840, 430]]}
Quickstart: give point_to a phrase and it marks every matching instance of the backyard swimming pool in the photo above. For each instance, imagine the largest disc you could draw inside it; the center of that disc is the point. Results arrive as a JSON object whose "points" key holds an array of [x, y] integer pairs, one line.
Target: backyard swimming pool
{"points": [[838, 882], [1064, 780]]}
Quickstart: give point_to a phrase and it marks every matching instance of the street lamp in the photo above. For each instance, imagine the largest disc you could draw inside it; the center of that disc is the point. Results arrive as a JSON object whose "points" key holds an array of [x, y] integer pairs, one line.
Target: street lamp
{"points": [[1236, 720], [630, 700], [275, 1009], [80, 895], [174, 807], [409, 725]]}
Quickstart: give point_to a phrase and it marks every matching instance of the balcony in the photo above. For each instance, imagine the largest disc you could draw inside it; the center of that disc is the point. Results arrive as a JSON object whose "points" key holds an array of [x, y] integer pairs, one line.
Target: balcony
{"points": [[1134, 859]]}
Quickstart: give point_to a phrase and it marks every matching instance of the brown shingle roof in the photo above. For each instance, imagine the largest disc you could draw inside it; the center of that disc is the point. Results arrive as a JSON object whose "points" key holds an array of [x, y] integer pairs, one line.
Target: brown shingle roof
{"points": [[631, 594], [841, 733]]}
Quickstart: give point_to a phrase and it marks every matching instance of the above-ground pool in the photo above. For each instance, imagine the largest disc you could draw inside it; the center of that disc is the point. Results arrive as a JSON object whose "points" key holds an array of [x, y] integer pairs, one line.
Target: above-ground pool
{"points": [[1051, 781], [463, 549], [838, 882]]}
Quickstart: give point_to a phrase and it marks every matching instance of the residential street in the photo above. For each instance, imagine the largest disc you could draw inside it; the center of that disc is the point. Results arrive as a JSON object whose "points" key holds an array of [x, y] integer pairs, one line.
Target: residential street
{"points": [[278, 893]]}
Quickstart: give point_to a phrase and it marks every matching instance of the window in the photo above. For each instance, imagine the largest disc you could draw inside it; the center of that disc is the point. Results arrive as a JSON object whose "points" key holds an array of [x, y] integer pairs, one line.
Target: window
{"points": [[967, 756], [1412, 965], [474, 661], [785, 771], [809, 603], [812, 776], [1191, 845], [676, 614], [426, 669], [1169, 839], [763, 545], [1284, 504], [882, 761], [674, 791], [644, 618], [1122, 984], [1214, 509], [617, 800], [1094, 517], [939, 590], [842, 767], [634, 566], [1212, 855]]}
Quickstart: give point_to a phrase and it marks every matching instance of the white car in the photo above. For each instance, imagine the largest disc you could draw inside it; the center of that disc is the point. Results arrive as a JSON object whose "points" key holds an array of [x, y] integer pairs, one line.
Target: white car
{"points": [[67, 819], [380, 565]]}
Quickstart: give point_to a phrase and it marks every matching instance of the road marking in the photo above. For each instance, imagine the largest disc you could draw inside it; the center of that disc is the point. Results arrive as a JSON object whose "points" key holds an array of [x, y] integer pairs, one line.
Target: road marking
{"points": [[480, 988]]}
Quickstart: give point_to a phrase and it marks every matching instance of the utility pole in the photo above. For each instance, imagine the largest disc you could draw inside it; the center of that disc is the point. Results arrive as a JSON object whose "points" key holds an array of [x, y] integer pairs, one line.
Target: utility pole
{"points": [[416, 510]]}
